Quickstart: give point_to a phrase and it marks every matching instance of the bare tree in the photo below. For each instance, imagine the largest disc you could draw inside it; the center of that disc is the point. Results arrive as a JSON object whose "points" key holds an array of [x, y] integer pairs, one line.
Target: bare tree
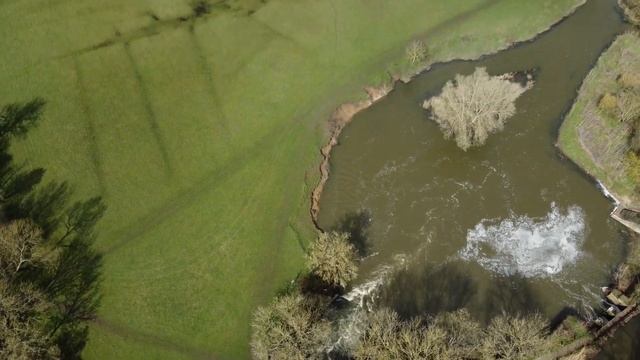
{"points": [[515, 338], [23, 334], [475, 106], [20, 242], [416, 52], [333, 259], [291, 327], [463, 334], [385, 336]]}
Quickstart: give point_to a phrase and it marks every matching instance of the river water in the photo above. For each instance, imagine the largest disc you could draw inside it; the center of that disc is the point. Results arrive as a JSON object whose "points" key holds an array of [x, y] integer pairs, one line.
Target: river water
{"points": [[510, 226]]}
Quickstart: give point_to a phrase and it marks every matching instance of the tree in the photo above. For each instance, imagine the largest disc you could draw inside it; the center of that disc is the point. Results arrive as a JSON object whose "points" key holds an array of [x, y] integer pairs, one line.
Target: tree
{"points": [[333, 259], [475, 106], [514, 338], [23, 334], [451, 336], [20, 245], [463, 334], [416, 52], [49, 272], [292, 327]]}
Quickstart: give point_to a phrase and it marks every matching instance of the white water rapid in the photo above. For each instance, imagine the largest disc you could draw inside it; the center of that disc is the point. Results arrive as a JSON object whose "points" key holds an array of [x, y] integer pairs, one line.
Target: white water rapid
{"points": [[531, 247]]}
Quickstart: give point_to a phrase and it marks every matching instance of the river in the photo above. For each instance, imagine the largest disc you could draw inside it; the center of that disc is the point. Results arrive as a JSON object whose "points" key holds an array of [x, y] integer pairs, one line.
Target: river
{"points": [[510, 226]]}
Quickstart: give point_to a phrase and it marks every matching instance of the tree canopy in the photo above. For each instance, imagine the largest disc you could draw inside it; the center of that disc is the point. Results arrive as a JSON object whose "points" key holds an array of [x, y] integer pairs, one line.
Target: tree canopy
{"points": [[333, 259], [292, 327]]}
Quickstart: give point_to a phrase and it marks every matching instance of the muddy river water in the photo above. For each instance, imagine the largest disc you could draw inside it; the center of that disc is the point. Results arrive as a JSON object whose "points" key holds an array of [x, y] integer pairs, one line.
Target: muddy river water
{"points": [[508, 226]]}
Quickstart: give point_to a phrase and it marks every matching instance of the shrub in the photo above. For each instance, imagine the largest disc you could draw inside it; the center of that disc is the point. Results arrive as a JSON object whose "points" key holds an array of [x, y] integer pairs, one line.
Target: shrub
{"points": [[475, 106], [608, 103], [416, 52], [633, 167], [629, 105], [333, 259], [632, 10], [629, 80]]}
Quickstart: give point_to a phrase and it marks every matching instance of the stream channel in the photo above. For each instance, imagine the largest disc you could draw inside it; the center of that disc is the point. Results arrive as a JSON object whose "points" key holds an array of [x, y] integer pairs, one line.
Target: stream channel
{"points": [[510, 226]]}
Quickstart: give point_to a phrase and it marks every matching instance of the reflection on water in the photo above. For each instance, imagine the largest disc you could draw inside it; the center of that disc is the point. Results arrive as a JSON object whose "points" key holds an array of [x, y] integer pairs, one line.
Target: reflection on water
{"points": [[403, 189]]}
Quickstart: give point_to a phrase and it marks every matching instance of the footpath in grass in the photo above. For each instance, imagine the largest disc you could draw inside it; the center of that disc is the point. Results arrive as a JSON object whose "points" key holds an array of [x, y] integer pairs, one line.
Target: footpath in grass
{"points": [[594, 138], [203, 135]]}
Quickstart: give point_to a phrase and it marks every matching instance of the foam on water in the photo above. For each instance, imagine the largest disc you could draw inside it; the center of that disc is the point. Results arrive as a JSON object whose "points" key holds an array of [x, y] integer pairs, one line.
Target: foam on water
{"points": [[531, 247]]}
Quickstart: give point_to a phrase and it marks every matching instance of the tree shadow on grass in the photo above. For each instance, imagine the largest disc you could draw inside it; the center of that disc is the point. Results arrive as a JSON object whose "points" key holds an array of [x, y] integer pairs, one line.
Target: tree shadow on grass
{"points": [[70, 277]]}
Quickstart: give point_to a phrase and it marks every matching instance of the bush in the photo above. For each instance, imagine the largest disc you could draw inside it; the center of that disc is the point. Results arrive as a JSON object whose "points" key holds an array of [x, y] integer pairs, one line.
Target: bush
{"points": [[608, 103], [416, 52], [629, 105], [633, 167], [632, 10], [629, 80], [333, 259], [291, 327], [475, 106]]}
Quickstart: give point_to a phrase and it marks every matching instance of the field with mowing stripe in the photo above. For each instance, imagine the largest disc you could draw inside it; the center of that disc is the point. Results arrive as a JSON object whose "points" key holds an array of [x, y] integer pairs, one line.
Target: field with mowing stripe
{"points": [[202, 135]]}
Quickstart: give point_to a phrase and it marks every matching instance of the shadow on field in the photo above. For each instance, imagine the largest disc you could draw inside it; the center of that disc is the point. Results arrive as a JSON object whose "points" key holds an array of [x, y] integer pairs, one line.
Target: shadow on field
{"points": [[68, 274]]}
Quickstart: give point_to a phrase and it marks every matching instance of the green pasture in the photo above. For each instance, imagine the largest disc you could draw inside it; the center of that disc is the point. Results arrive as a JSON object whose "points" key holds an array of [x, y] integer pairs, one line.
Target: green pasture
{"points": [[202, 136]]}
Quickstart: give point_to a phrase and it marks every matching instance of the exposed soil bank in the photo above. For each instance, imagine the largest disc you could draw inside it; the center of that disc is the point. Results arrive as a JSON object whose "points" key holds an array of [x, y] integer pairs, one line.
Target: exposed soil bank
{"points": [[345, 113]]}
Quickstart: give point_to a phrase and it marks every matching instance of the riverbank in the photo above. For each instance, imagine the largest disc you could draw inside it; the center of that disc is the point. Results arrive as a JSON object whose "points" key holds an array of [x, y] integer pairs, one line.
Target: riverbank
{"points": [[598, 143], [594, 139], [465, 49]]}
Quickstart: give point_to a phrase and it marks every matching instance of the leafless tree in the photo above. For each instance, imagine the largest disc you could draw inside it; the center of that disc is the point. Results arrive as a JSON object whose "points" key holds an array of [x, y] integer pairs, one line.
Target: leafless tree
{"points": [[514, 338], [470, 108], [23, 335], [385, 336], [464, 334], [20, 244], [291, 327], [333, 259]]}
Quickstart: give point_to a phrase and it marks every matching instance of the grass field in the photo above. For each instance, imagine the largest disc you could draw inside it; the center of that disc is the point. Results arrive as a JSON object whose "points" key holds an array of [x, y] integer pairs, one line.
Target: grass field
{"points": [[597, 141], [203, 137]]}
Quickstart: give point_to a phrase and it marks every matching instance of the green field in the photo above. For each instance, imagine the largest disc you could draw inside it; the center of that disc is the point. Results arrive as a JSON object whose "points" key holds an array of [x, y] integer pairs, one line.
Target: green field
{"points": [[597, 141], [202, 136]]}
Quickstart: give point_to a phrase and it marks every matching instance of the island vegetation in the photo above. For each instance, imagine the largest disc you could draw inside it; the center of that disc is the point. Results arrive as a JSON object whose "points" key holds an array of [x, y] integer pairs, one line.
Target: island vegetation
{"points": [[472, 107]]}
